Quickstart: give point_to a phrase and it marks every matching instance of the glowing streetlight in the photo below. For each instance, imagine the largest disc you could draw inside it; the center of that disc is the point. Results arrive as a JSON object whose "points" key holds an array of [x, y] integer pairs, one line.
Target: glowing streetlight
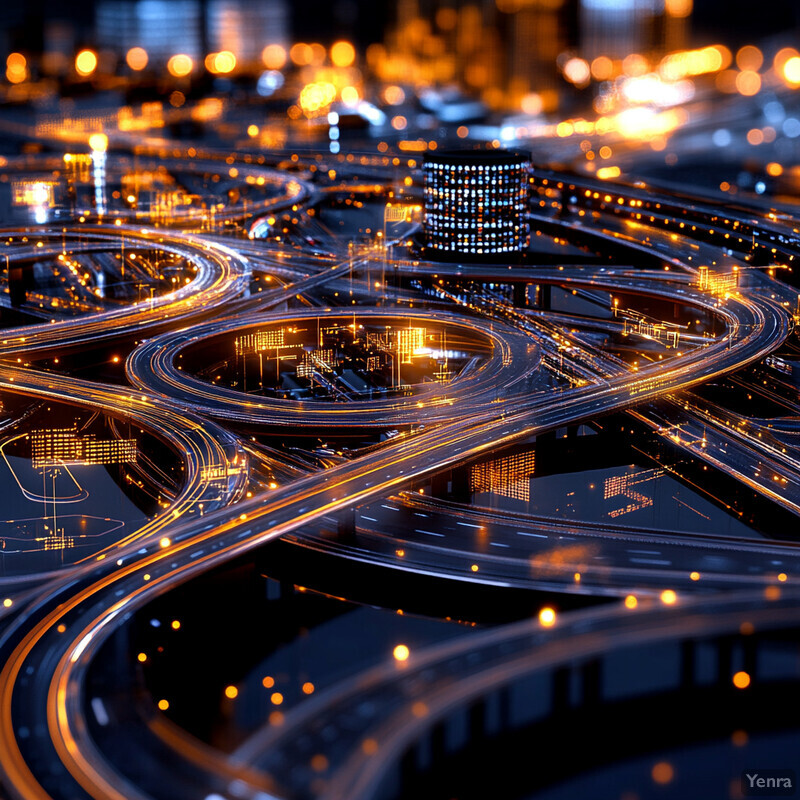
{"points": [[85, 63]]}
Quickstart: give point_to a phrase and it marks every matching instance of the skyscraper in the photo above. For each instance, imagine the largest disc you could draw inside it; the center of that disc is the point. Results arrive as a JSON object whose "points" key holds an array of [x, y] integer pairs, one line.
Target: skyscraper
{"points": [[475, 203]]}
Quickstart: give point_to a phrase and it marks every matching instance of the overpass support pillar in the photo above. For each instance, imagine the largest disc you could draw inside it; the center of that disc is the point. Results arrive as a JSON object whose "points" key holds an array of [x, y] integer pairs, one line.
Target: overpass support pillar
{"points": [[591, 682], [520, 295], [20, 279], [460, 485], [688, 649], [346, 525], [477, 720], [544, 296]]}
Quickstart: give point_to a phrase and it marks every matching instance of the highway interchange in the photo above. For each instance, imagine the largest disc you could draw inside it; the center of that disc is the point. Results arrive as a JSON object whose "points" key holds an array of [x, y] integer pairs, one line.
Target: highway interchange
{"points": [[544, 372]]}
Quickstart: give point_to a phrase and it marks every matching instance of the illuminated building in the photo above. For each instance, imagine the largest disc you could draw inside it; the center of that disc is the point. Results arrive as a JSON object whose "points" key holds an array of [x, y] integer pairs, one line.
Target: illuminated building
{"points": [[56, 446], [260, 340], [508, 477], [151, 24], [623, 486], [242, 27], [475, 202], [618, 28]]}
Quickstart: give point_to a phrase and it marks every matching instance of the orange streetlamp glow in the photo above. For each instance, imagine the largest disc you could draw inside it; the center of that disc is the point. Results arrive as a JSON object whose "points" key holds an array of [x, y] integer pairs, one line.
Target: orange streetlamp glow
{"points": [[791, 70], [401, 653], [273, 56], [85, 63], [741, 680], [668, 597], [16, 68], [137, 58], [547, 617], [180, 65], [231, 692], [98, 142], [301, 54], [224, 62], [662, 773], [343, 54]]}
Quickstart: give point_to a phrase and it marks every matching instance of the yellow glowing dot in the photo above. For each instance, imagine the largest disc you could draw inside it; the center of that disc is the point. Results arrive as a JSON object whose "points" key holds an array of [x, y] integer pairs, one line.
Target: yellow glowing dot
{"points": [[146, 576], [98, 142], [577, 577], [741, 680], [224, 62], [85, 63], [252, 130], [401, 653], [343, 54], [163, 704], [668, 597], [8, 602], [142, 657], [695, 576], [774, 169], [350, 95], [231, 692], [662, 772], [631, 601], [273, 56], [276, 698], [782, 577], [474, 567], [604, 173], [61, 628], [400, 553], [791, 70], [176, 624], [164, 543], [308, 688], [180, 65], [547, 617], [268, 682], [136, 58]]}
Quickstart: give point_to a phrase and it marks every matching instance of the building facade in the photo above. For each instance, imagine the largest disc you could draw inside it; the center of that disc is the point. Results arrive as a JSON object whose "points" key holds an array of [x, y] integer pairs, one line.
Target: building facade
{"points": [[475, 204]]}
